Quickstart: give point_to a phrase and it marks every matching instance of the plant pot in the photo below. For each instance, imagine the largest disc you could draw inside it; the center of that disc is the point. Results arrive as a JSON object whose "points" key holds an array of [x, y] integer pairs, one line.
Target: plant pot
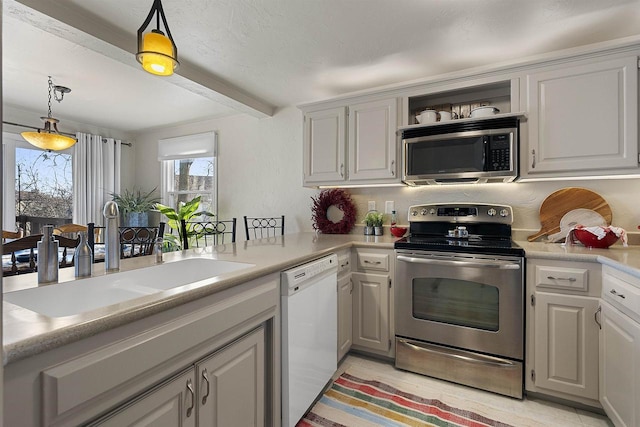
{"points": [[368, 231], [135, 219], [378, 231]]}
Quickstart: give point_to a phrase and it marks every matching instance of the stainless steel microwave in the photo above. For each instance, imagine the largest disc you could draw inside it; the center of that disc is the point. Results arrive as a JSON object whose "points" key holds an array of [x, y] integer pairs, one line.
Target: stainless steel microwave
{"points": [[464, 151]]}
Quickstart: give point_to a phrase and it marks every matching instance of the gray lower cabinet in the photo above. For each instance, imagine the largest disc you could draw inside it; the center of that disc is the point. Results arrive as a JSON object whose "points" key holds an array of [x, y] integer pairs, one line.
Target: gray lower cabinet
{"points": [[561, 329], [213, 361], [170, 404], [225, 389], [231, 384], [371, 311], [620, 367], [620, 347], [373, 323], [345, 316]]}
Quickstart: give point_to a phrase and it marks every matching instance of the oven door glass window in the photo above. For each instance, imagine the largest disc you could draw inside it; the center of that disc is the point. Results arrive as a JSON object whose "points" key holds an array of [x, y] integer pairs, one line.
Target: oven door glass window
{"points": [[456, 302]]}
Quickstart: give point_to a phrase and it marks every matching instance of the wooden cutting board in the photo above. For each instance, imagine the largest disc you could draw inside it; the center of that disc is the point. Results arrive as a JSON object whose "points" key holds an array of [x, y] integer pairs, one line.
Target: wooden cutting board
{"points": [[558, 203]]}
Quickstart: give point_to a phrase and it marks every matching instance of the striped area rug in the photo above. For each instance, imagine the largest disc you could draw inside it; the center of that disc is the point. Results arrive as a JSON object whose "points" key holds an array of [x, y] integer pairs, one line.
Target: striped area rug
{"points": [[355, 402]]}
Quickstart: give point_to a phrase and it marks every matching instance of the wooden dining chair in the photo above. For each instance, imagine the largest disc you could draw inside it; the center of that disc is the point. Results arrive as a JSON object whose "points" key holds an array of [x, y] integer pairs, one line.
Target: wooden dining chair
{"points": [[23, 253], [70, 230], [207, 233], [12, 235], [260, 227]]}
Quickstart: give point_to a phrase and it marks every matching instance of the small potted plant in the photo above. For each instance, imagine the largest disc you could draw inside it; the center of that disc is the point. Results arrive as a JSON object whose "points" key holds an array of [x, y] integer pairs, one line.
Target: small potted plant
{"points": [[135, 206], [373, 223]]}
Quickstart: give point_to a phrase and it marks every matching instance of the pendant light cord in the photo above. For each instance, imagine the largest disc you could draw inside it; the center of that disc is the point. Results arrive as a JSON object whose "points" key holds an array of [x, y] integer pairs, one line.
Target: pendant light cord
{"points": [[49, 103]]}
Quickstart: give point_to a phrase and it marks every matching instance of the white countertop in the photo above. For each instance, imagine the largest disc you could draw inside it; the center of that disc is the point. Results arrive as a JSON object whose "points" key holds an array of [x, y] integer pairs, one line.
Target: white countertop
{"points": [[623, 258], [26, 333]]}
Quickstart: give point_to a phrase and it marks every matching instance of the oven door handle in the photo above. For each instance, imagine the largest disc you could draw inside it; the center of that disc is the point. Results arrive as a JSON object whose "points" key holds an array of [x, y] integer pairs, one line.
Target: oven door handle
{"points": [[502, 265]]}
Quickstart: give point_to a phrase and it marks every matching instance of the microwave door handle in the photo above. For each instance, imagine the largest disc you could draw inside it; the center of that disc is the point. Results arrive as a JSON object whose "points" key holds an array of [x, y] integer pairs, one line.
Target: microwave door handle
{"points": [[502, 265]]}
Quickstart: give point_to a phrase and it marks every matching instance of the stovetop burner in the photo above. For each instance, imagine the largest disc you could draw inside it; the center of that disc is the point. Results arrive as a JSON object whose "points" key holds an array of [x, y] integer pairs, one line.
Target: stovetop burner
{"points": [[486, 229]]}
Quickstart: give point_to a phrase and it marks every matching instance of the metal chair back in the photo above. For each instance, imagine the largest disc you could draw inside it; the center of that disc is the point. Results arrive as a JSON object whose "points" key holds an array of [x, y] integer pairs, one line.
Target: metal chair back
{"points": [[261, 227], [207, 233]]}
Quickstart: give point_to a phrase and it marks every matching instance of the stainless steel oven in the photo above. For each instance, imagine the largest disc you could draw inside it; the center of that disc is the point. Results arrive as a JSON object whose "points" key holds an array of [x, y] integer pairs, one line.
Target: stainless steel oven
{"points": [[459, 297]]}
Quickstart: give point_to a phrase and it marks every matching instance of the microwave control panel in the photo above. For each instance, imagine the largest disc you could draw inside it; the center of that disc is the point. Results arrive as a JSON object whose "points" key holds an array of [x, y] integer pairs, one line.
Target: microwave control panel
{"points": [[499, 152]]}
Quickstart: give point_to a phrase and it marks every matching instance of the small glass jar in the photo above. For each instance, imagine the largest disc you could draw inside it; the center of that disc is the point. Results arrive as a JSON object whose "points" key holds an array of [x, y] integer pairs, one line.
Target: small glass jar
{"points": [[157, 249]]}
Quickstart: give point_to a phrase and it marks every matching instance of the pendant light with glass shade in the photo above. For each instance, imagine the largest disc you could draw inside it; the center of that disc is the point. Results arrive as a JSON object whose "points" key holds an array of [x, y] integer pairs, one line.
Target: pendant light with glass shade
{"points": [[49, 138], [157, 52]]}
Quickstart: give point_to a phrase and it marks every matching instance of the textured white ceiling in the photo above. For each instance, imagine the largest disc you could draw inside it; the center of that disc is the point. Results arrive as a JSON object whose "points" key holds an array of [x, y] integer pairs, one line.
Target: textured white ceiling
{"points": [[284, 52]]}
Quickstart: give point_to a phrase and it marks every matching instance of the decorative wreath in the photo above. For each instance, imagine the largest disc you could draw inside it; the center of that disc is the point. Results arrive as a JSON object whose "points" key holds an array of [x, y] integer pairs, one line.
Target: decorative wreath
{"points": [[340, 199]]}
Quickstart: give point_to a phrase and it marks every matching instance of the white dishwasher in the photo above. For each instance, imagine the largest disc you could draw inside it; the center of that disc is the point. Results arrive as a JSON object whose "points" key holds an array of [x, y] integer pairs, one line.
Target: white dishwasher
{"points": [[309, 304]]}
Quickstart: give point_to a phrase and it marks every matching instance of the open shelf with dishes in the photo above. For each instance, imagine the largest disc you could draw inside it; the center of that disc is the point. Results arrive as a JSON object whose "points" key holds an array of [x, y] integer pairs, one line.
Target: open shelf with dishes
{"points": [[460, 102]]}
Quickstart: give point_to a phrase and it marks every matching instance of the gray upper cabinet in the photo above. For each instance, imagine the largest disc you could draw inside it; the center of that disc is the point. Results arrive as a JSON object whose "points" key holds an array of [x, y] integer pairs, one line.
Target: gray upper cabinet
{"points": [[354, 144], [372, 141], [324, 146], [582, 119], [578, 110]]}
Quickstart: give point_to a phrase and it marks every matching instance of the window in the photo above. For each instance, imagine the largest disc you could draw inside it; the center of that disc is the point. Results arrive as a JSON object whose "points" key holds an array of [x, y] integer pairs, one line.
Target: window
{"points": [[189, 170], [38, 185]]}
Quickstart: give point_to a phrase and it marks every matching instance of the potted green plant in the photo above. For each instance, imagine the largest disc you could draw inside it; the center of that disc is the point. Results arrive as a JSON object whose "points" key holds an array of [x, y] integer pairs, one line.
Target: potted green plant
{"points": [[373, 223], [135, 206], [185, 211]]}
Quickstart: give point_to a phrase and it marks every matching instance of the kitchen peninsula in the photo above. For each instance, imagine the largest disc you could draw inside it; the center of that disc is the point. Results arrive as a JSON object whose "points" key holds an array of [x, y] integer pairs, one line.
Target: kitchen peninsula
{"points": [[48, 358]]}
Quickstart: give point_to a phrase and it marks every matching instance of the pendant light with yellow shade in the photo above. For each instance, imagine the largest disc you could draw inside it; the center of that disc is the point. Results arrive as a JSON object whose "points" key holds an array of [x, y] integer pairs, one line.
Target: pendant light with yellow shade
{"points": [[157, 52], [49, 138]]}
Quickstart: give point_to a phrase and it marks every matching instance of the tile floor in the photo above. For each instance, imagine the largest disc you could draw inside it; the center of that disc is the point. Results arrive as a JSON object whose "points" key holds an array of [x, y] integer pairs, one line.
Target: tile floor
{"points": [[529, 412]]}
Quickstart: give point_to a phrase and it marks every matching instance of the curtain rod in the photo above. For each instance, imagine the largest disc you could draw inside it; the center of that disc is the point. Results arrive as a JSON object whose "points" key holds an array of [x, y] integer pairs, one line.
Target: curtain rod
{"points": [[128, 144]]}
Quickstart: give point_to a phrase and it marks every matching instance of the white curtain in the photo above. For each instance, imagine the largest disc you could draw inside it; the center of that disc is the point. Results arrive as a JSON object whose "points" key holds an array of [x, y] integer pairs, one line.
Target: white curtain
{"points": [[96, 174]]}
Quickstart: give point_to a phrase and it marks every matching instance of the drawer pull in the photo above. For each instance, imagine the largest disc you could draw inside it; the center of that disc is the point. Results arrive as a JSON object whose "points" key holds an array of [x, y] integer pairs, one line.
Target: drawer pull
{"points": [[193, 397], [569, 279], [613, 291], [366, 261], [206, 379]]}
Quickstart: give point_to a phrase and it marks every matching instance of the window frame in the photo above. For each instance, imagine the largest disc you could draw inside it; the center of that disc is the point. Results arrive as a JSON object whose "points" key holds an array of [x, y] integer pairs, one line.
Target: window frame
{"points": [[170, 150], [11, 141]]}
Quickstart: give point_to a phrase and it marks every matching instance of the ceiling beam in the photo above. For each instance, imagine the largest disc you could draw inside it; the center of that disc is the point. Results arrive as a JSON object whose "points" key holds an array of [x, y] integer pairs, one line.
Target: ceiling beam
{"points": [[65, 22]]}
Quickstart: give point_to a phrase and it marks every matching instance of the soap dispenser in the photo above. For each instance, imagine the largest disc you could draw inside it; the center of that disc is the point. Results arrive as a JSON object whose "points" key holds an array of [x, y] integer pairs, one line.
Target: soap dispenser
{"points": [[47, 257], [83, 257]]}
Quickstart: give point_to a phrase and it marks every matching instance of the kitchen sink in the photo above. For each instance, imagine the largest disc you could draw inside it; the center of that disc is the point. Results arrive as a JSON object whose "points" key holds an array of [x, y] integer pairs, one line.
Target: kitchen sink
{"points": [[79, 296]]}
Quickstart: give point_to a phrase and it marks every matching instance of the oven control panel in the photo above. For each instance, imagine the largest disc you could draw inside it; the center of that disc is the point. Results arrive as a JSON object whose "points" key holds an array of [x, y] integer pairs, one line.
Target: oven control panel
{"points": [[461, 212]]}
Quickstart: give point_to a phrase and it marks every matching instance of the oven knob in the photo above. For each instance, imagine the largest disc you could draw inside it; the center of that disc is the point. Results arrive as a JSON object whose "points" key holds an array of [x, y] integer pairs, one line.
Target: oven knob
{"points": [[423, 212], [432, 211], [504, 213], [414, 213], [491, 212]]}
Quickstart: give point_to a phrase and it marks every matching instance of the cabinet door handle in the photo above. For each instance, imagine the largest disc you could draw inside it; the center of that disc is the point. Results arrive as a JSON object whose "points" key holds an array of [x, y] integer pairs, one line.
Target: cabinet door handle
{"points": [[595, 317], [342, 170], [366, 261], [393, 165], [613, 291], [533, 162], [193, 397], [569, 279], [351, 287], [205, 378]]}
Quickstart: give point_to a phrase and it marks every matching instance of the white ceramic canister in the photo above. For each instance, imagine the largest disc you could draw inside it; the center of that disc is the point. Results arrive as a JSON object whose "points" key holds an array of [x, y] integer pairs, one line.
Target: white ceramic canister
{"points": [[445, 116], [427, 116]]}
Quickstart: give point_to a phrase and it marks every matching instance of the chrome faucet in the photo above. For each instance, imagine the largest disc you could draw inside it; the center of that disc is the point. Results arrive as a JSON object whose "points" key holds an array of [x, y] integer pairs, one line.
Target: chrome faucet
{"points": [[112, 239]]}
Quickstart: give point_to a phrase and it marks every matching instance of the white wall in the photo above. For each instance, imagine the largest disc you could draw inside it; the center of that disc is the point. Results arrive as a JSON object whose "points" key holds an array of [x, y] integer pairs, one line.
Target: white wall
{"points": [[260, 172], [259, 166]]}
